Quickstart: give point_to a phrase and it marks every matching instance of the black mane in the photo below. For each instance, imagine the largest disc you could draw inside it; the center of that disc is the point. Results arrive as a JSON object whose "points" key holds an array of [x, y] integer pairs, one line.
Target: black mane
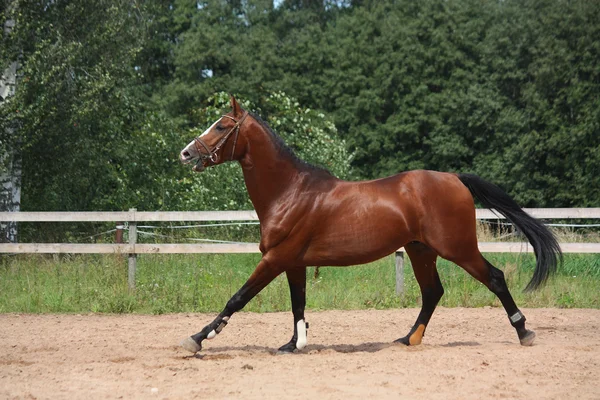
{"points": [[286, 151]]}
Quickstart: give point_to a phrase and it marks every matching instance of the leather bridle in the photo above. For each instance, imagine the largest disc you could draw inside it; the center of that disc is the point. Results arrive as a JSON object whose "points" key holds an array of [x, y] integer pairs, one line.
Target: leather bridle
{"points": [[212, 154]]}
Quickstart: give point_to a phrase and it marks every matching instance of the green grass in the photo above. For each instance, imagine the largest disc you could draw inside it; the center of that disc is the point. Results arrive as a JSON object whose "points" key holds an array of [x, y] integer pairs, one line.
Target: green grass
{"points": [[204, 283]]}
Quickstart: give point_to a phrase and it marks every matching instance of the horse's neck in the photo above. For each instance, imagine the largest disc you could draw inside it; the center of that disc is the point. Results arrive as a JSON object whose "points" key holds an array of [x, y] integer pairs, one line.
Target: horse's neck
{"points": [[269, 173]]}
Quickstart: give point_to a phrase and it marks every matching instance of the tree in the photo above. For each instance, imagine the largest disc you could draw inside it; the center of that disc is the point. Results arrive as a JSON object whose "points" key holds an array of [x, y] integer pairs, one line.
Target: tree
{"points": [[76, 100], [507, 90], [108, 91], [502, 89], [542, 59], [10, 160]]}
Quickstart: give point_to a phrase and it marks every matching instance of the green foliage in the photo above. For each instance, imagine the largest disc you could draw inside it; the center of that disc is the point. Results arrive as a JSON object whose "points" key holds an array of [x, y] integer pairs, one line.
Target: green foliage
{"points": [[149, 174], [94, 131], [75, 100], [507, 90], [496, 88], [108, 90]]}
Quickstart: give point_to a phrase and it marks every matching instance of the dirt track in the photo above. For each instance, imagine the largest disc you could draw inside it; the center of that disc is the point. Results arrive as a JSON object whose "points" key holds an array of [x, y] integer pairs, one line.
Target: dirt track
{"points": [[466, 354]]}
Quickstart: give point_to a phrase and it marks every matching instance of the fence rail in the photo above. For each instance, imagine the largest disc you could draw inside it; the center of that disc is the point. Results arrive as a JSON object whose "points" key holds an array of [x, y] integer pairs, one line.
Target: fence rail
{"points": [[131, 216], [137, 248], [249, 215], [188, 248], [133, 248]]}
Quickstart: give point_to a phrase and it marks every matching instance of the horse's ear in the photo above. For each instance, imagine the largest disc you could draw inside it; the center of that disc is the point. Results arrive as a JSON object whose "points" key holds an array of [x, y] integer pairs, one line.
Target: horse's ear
{"points": [[235, 107]]}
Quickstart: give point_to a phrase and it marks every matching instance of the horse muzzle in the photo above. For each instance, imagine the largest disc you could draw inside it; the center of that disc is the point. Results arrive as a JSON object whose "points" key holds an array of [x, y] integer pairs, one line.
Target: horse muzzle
{"points": [[185, 157]]}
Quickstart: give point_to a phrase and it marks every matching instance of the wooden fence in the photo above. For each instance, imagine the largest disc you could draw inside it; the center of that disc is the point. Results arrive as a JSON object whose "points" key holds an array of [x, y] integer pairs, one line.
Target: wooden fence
{"points": [[132, 217]]}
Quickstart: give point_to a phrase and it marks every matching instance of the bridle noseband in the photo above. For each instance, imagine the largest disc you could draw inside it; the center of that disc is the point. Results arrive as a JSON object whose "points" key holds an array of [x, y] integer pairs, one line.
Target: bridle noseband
{"points": [[212, 154]]}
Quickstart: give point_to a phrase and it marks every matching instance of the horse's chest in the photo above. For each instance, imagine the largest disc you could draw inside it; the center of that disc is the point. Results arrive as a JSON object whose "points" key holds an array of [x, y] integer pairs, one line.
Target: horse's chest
{"points": [[285, 232]]}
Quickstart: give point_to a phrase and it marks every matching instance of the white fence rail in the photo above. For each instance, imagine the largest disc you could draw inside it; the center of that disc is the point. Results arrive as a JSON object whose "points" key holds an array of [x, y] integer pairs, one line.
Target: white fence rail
{"points": [[249, 215], [133, 248], [131, 216], [187, 248]]}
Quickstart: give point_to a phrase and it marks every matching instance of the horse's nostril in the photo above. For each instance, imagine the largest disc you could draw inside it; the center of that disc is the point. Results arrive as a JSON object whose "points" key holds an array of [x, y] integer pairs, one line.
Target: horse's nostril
{"points": [[185, 156]]}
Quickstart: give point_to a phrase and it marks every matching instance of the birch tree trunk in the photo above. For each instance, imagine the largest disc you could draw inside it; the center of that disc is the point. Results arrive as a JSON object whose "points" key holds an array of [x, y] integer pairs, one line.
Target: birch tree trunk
{"points": [[10, 170]]}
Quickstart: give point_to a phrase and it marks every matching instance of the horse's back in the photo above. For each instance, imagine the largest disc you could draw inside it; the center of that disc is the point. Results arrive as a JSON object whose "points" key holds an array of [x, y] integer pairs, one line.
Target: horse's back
{"points": [[365, 220], [416, 191]]}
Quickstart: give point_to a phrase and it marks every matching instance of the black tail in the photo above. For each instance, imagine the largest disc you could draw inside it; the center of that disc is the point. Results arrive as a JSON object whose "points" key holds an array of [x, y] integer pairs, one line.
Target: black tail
{"points": [[546, 248]]}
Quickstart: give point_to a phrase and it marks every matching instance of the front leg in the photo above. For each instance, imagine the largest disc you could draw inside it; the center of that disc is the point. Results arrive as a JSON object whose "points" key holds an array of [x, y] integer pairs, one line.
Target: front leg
{"points": [[264, 273], [297, 281]]}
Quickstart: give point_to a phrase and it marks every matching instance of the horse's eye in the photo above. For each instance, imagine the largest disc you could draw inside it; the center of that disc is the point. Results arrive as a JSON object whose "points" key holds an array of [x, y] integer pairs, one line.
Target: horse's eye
{"points": [[220, 127]]}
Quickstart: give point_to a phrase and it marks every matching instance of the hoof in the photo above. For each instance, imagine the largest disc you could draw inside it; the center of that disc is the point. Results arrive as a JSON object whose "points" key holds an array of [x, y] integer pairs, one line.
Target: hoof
{"points": [[284, 352], [289, 348], [414, 337], [527, 339], [190, 345], [403, 340]]}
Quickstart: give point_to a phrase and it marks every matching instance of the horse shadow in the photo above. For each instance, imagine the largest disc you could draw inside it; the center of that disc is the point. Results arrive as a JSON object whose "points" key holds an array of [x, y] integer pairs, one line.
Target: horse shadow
{"points": [[461, 344], [221, 352]]}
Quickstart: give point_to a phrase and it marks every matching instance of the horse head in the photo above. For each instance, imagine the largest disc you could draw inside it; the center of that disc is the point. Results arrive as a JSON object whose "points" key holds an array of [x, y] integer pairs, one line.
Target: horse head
{"points": [[219, 143]]}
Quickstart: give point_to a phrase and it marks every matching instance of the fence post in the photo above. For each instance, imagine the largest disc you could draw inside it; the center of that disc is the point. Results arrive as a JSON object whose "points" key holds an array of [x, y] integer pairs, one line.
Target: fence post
{"points": [[132, 256], [399, 272], [119, 233]]}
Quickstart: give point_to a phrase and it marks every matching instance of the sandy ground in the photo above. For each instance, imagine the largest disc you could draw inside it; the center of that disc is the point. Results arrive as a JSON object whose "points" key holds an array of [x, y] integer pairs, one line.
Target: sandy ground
{"points": [[466, 354]]}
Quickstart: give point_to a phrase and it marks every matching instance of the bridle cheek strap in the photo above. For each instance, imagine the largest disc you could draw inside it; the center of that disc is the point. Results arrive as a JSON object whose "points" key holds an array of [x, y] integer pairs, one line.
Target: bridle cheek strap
{"points": [[212, 154]]}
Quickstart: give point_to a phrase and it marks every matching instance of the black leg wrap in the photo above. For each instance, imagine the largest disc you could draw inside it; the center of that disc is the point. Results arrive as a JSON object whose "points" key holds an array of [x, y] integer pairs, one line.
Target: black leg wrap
{"points": [[222, 325], [517, 320], [217, 325]]}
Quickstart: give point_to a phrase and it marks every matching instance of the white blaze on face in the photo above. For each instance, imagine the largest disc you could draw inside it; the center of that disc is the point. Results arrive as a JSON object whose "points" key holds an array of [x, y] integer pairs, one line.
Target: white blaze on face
{"points": [[212, 126], [191, 147], [301, 328]]}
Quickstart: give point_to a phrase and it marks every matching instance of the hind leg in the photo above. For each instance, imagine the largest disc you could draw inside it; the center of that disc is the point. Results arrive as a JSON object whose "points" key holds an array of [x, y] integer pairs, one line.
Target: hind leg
{"points": [[493, 278], [423, 260]]}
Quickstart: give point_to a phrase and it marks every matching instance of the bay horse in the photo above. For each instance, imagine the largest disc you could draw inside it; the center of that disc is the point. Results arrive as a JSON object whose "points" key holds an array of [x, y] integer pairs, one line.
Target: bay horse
{"points": [[308, 217]]}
